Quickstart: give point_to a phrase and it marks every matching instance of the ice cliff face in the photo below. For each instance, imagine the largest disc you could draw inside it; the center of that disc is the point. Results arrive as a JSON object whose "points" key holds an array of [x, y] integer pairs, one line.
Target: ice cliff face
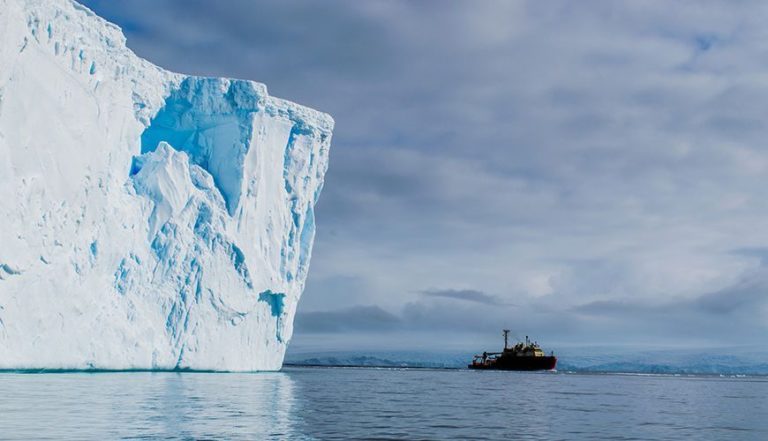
{"points": [[148, 220]]}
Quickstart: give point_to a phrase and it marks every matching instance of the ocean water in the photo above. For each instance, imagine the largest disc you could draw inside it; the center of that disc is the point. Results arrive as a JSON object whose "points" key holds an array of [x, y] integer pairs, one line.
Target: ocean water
{"points": [[359, 403]]}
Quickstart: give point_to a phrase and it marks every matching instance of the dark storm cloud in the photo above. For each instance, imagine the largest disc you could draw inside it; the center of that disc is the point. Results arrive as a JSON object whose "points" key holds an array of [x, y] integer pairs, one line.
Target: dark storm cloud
{"points": [[413, 316], [761, 253], [594, 163], [356, 318], [475, 312], [469, 295], [729, 314], [747, 298], [609, 307], [732, 314]]}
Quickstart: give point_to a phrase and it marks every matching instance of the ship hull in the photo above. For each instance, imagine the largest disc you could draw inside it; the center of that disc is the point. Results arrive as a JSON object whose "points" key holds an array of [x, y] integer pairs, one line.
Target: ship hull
{"points": [[513, 363]]}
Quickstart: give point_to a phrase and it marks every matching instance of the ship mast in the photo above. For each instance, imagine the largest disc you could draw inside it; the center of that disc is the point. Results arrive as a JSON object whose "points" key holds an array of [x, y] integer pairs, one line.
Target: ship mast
{"points": [[506, 339]]}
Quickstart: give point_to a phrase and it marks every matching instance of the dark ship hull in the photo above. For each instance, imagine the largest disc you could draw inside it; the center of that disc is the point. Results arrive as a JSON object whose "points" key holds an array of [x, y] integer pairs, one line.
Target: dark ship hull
{"points": [[526, 356], [517, 363]]}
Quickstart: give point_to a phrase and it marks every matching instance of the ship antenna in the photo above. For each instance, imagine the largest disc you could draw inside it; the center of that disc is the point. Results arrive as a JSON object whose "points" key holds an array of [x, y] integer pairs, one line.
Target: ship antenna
{"points": [[506, 338]]}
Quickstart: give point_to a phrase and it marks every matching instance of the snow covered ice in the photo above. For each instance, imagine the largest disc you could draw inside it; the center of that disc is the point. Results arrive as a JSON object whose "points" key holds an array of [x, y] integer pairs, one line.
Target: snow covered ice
{"points": [[149, 220]]}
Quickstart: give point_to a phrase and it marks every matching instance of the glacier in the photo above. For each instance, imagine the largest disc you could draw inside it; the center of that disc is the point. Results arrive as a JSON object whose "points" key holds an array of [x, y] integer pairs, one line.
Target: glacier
{"points": [[150, 220]]}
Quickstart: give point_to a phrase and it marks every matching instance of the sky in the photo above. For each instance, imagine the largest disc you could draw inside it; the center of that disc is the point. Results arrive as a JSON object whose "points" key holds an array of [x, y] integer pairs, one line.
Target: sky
{"points": [[587, 173]]}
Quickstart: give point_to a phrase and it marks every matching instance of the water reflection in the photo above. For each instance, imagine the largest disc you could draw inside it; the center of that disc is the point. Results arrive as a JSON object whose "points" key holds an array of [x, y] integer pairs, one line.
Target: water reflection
{"points": [[148, 405], [331, 404]]}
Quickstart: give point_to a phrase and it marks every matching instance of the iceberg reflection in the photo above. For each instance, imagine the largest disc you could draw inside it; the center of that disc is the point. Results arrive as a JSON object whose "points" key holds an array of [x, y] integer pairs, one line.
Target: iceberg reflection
{"points": [[149, 405]]}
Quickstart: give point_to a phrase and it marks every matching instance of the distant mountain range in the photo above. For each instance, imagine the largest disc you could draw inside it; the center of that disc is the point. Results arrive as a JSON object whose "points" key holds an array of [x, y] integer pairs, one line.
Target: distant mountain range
{"points": [[714, 362]]}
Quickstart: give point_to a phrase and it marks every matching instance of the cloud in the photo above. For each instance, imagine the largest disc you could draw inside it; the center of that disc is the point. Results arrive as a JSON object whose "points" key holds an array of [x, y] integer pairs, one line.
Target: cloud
{"points": [[469, 295], [747, 298], [735, 314], [356, 318], [761, 253], [435, 310]]}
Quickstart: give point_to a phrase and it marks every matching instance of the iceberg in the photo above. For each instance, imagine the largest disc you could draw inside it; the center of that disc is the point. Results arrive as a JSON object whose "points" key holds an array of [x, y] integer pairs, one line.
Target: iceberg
{"points": [[148, 219]]}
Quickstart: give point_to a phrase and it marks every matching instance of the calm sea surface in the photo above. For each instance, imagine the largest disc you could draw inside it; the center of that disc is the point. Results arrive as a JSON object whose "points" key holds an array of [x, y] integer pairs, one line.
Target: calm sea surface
{"points": [[339, 403]]}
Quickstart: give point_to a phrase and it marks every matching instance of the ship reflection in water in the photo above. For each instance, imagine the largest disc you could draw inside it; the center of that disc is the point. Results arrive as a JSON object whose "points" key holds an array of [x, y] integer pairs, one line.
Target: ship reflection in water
{"points": [[526, 356]]}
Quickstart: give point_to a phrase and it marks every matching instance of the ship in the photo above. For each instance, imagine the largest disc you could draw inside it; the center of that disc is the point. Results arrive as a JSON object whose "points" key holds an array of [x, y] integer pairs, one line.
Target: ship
{"points": [[523, 356]]}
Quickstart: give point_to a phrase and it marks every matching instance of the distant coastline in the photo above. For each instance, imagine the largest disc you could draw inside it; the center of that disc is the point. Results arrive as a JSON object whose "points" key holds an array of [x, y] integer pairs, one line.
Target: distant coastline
{"points": [[557, 371], [651, 363]]}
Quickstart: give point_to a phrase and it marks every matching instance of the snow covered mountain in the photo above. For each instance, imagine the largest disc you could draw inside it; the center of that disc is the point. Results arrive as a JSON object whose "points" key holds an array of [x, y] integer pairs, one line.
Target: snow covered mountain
{"points": [[148, 220]]}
